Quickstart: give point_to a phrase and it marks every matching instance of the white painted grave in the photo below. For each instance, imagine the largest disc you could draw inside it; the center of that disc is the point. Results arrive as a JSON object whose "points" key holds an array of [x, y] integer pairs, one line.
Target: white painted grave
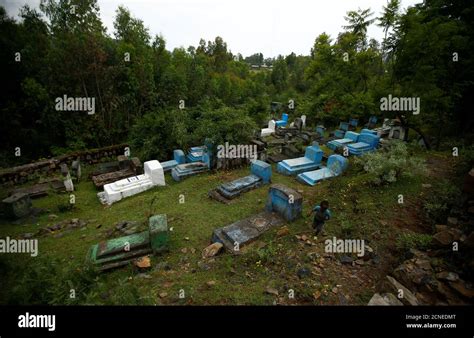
{"points": [[153, 176], [270, 130]]}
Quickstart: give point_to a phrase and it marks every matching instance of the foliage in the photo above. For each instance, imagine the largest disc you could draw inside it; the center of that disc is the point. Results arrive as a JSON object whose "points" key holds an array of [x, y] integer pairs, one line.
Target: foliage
{"points": [[389, 165], [443, 196], [407, 241]]}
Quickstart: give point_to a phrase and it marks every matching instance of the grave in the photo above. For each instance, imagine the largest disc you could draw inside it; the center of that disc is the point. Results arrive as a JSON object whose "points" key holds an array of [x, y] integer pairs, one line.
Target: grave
{"points": [[154, 176], [320, 130], [310, 161], [398, 133], [121, 251], [183, 171], [353, 124], [384, 130], [76, 170], [17, 206], [349, 137], [270, 130], [366, 142], [178, 158], [336, 165], [196, 154], [124, 168], [283, 205], [261, 173], [372, 122], [283, 122], [343, 127]]}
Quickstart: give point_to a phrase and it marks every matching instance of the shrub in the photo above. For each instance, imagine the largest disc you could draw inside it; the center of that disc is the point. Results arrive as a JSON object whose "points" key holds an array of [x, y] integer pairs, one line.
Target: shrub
{"points": [[389, 165], [407, 241], [443, 196]]}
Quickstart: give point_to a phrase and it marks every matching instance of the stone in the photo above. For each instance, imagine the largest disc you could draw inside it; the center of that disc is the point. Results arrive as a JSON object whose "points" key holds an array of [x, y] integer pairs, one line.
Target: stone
{"points": [[64, 169], [441, 227], [17, 206], [426, 185], [384, 299], [52, 217], [271, 291], [408, 297], [461, 287], [449, 276], [211, 283], [303, 272], [163, 294], [344, 259], [28, 235], [443, 238], [143, 262], [212, 250], [452, 221], [283, 231]]}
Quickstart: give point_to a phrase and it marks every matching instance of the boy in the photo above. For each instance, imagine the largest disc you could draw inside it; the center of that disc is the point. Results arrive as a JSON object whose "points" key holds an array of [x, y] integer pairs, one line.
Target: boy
{"points": [[322, 214]]}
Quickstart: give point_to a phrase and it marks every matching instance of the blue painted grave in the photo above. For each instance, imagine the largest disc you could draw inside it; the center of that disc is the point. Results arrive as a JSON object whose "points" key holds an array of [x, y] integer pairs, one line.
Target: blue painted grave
{"points": [[349, 137], [261, 173], [367, 142], [283, 204], [336, 165], [178, 158], [311, 160], [283, 122], [185, 170]]}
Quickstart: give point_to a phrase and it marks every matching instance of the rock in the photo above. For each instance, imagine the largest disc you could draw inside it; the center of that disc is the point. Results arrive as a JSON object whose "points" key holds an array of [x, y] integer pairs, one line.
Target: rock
{"points": [[414, 272], [469, 241], [335, 290], [204, 266], [212, 250], [144, 276], [211, 283], [303, 272], [408, 297], [52, 217], [317, 294], [452, 221], [283, 231], [304, 238], [163, 294], [449, 276], [271, 291], [443, 238], [28, 235], [462, 288], [163, 266], [441, 227], [359, 262], [184, 250], [344, 259], [186, 238], [384, 299], [426, 186], [142, 262]]}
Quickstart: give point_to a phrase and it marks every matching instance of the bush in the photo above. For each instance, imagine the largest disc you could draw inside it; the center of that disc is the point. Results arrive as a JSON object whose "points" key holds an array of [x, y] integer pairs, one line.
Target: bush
{"points": [[407, 241], [385, 167], [443, 196]]}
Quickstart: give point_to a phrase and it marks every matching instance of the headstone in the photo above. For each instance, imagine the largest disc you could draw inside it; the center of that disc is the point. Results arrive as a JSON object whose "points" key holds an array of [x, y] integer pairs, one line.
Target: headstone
{"points": [[76, 169], [68, 184], [64, 169], [17, 206]]}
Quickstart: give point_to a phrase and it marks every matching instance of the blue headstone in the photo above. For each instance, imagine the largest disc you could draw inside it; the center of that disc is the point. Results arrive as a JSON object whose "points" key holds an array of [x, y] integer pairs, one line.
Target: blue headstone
{"points": [[354, 122], [368, 131], [262, 170], [179, 156], [337, 164], [287, 202]]}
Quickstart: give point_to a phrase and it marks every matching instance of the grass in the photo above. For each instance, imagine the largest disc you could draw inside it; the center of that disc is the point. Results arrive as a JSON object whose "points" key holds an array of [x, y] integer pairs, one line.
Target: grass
{"points": [[239, 279]]}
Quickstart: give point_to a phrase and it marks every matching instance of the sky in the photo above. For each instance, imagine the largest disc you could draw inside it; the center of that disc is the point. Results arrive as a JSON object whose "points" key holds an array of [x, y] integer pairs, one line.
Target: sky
{"points": [[271, 27]]}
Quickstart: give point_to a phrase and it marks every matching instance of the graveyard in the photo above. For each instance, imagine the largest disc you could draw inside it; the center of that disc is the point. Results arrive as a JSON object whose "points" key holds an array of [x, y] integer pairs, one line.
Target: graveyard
{"points": [[136, 172]]}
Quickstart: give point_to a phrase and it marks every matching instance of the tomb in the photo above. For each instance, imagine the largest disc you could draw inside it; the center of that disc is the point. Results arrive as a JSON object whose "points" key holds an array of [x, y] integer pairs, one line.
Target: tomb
{"points": [[384, 130], [260, 173], [114, 171], [310, 161], [196, 154], [398, 133], [320, 130], [349, 137], [121, 251], [353, 124], [336, 165], [343, 127], [185, 170], [17, 206], [372, 122], [270, 130], [283, 122], [366, 142], [283, 205], [154, 176], [178, 158]]}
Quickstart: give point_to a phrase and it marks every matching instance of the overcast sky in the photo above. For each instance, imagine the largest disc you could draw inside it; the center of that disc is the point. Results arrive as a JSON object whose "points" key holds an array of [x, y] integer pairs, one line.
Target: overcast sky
{"points": [[271, 27]]}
